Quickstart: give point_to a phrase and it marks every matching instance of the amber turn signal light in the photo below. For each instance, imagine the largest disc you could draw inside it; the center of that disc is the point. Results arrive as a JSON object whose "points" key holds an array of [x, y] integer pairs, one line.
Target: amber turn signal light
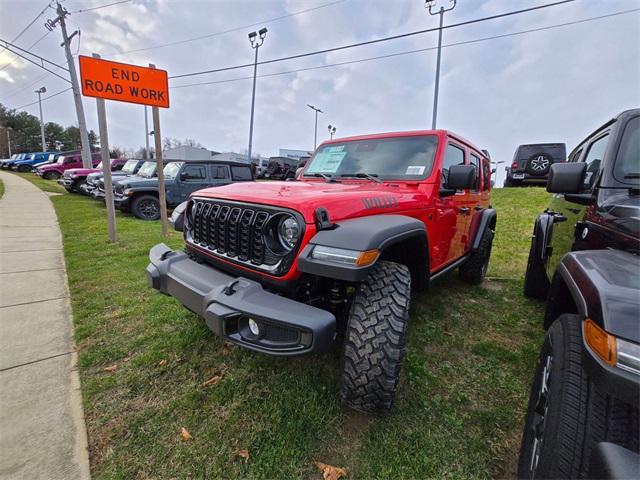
{"points": [[367, 257], [603, 344]]}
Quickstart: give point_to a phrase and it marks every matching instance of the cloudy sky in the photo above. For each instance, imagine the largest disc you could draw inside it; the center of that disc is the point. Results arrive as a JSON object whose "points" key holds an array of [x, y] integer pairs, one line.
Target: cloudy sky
{"points": [[551, 85]]}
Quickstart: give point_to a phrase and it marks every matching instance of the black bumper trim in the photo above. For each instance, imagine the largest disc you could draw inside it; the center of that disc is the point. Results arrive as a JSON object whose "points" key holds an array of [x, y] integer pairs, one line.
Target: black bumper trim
{"points": [[226, 302]]}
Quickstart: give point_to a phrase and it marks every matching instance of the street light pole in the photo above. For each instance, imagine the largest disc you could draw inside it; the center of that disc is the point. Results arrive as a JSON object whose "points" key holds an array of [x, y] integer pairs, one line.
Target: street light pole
{"points": [[9, 140], [430, 4], [332, 130], [256, 40], [315, 132], [40, 91]]}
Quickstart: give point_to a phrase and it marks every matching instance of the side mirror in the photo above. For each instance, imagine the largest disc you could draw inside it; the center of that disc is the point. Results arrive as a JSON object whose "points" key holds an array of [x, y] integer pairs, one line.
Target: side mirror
{"points": [[177, 217], [461, 177], [566, 177]]}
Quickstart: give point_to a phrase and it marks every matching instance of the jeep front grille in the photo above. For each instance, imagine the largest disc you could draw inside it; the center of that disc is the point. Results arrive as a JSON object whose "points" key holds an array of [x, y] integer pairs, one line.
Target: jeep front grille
{"points": [[236, 232]]}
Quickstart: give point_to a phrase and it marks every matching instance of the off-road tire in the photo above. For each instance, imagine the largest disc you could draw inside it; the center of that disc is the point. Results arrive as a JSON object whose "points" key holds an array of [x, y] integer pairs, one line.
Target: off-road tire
{"points": [[51, 176], [375, 339], [475, 268], [536, 283], [139, 207], [24, 168], [577, 415]]}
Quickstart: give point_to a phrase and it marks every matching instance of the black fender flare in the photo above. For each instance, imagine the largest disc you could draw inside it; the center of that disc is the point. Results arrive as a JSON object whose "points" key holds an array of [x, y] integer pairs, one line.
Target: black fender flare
{"points": [[360, 234], [487, 220], [143, 190], [541, 240]]}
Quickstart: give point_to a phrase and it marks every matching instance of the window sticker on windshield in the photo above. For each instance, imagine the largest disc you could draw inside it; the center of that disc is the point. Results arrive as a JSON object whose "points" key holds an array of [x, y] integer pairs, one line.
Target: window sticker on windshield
{"points": [[338, 148], [415, 170], [327, 162]]}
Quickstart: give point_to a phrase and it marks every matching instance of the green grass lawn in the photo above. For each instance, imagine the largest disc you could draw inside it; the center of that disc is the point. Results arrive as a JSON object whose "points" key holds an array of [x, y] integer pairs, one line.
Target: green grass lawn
{"points": [[1, 189], [462, 395]]}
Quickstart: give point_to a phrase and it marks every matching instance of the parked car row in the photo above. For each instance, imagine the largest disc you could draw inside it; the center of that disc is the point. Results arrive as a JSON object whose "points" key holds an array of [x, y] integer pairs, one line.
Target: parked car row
{"points": [[26, 162]]}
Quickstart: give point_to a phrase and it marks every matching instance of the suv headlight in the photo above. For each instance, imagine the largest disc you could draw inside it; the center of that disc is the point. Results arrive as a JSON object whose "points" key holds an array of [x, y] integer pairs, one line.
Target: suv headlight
{"points": [[289, 232]]}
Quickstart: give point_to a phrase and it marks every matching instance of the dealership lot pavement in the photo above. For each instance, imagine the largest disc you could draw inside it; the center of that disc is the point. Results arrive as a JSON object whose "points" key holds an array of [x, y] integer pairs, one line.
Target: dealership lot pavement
{"points": [[42, 432]]}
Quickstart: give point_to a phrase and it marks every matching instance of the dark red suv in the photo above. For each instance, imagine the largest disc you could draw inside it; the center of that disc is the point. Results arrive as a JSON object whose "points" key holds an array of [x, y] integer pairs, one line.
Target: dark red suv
{"points": [[289, 268]]}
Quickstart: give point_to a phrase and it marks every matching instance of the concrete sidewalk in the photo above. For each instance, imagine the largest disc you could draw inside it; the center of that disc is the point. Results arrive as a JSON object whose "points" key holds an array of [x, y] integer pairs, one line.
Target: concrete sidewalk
{"points": [[42, 431]]}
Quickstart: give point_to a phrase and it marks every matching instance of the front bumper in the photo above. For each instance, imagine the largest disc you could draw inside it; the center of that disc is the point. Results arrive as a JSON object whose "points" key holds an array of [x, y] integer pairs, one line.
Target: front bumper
{"points": [[120, 201], [66, 182], [226, 303]]}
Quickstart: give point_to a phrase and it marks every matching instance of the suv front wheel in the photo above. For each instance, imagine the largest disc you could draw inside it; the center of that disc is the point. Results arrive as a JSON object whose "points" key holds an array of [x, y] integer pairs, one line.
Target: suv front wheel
{"points": [[375, 339], [567, 414], [146, 207]]}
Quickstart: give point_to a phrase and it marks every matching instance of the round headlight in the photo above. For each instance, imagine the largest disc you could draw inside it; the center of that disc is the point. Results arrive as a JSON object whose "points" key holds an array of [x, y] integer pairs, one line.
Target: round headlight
{"points": [[289, 232]]}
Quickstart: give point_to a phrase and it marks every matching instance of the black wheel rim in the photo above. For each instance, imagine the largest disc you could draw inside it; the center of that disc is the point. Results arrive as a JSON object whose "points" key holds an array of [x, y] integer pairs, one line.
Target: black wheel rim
{"points": [[540, 415], [148, 208]]}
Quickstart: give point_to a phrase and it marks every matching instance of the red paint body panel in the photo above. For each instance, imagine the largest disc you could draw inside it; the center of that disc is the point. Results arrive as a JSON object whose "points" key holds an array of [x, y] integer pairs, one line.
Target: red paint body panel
{"points": [[449, 232]]}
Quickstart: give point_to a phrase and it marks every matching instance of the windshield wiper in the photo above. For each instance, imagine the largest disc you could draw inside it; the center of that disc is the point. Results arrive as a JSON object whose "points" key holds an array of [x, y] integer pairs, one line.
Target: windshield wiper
{"points": [[370, 176], [327, 178]]}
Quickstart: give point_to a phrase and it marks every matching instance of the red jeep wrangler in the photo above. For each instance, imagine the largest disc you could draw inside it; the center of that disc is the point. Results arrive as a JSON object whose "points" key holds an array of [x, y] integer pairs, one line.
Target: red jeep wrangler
{"points": [[289, 268]]}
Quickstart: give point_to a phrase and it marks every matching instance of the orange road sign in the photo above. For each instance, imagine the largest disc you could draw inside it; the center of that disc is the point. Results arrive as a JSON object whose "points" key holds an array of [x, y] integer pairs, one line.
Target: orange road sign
{"points": [[124, 82]]}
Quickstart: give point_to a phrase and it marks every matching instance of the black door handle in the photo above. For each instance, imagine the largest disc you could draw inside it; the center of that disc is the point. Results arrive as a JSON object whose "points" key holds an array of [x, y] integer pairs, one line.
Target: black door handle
{"points": [[479, 207], [558, 217], [463, 210]]}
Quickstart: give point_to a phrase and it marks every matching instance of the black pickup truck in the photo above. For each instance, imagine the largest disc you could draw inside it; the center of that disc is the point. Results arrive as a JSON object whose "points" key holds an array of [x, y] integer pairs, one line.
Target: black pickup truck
{"points": [[582, 419]]}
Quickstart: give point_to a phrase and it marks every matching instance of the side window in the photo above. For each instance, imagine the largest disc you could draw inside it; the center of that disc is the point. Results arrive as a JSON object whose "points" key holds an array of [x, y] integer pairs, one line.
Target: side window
{"points": [[194, 172], [475, 161], [70, 160], [627, 168], [241, 173], [453, 156], [219, 172], [118, 166], [593, 159], [486, 167]]}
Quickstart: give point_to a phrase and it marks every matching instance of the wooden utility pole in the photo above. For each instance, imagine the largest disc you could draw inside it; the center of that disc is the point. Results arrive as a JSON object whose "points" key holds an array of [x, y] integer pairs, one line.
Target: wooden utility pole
{"points": [[161, 193], [106, 165]]}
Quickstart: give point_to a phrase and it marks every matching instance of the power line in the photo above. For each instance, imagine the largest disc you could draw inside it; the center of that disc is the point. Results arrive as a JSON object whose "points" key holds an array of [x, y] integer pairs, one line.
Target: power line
{"points": [[82, 10], [28, 48], [36, 64], [29, 24], [409, 52], [377, 40], [42, 59], [235, 29], [19, 90], [43, 99]]}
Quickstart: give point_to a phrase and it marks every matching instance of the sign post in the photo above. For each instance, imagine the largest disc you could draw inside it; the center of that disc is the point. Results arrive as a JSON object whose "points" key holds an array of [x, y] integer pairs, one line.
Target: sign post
{"points": [[157, 137], [106, 165], [107, 80]]}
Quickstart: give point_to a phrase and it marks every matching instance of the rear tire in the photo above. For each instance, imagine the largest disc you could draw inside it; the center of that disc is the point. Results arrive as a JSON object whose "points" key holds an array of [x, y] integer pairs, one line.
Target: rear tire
{"points": [[24, 168], [146, 207], [375, 339], [475, 268], [567, 415]]}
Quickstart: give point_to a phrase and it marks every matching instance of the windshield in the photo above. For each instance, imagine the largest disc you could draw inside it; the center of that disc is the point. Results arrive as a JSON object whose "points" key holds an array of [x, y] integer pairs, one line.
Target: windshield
{"points": [[99, 166], [60, 160], [130, 166], [147, 170], [172, 169], [52, 157], [400, 158]]}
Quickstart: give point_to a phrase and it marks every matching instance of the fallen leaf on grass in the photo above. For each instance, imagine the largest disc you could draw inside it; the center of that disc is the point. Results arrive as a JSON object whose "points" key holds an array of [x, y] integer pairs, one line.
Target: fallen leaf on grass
{"points": [[184, 433], [226, 347], [244, 454], [162, 362], [110, 368], [329, 472], [128, 357], [216, 378]]}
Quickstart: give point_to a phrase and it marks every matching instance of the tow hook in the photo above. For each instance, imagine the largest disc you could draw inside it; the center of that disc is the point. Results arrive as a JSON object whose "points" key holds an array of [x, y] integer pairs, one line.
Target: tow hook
{"points": [[229, 290]]}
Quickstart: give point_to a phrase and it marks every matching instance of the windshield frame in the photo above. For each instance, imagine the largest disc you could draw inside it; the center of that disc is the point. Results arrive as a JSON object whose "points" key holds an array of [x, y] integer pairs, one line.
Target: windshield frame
{"points": [[382, 177]]}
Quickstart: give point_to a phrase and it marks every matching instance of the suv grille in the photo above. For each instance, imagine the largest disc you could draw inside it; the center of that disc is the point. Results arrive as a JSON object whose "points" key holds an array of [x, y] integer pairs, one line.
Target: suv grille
{"points": [[235, 231]]}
